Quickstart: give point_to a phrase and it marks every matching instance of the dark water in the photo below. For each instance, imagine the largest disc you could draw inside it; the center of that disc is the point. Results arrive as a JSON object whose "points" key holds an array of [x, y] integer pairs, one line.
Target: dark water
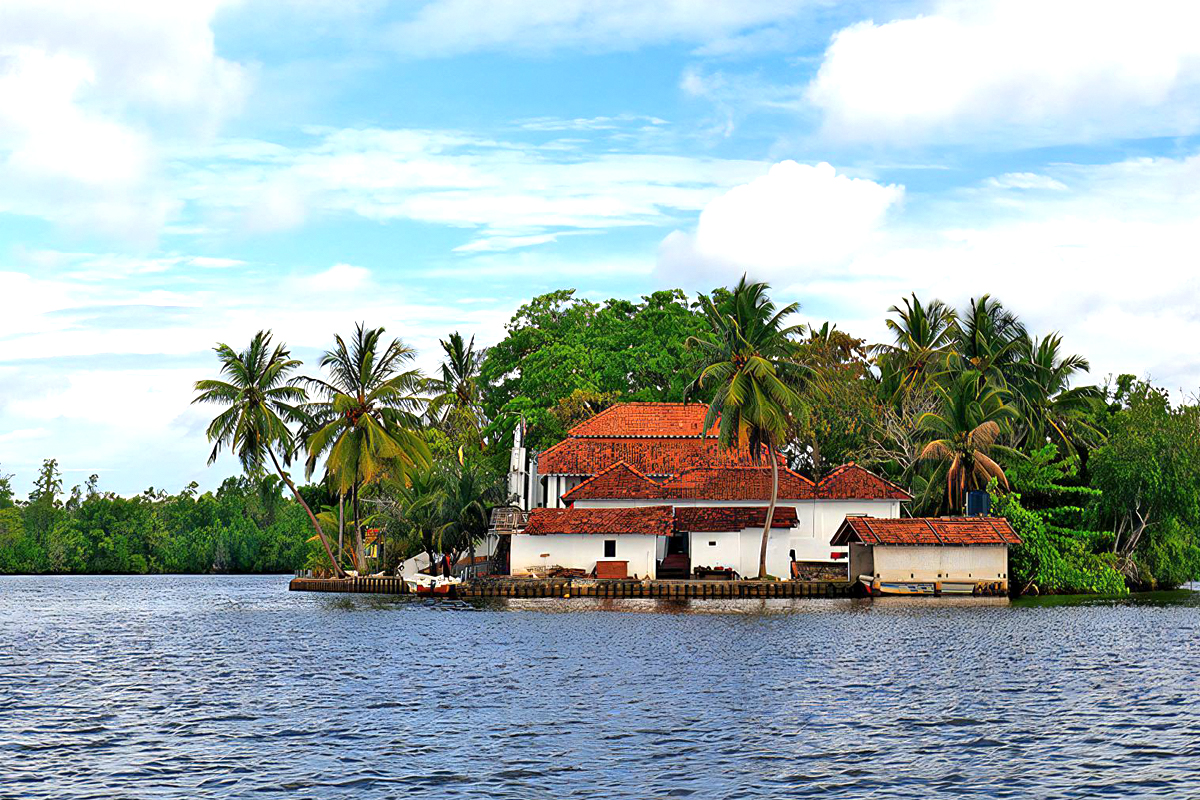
{"points": [[231, 687]]}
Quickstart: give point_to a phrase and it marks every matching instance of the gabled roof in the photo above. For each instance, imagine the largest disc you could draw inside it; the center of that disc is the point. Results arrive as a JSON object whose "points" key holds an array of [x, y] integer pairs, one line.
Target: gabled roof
{"points": [[590, 456], [736, 483], [618, 482], [645, 420], [852, 482], [714, 519], [648, 520], [926, 531]]}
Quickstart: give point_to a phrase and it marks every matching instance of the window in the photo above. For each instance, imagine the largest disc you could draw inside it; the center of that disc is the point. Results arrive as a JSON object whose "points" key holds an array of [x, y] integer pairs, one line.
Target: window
{"points": [[610, 548], [712, 544]]}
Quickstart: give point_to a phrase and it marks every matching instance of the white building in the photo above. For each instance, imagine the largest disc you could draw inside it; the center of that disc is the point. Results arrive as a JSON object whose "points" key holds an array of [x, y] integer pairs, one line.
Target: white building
{"points": [[969, 553], [624, 541], [652, 455]]}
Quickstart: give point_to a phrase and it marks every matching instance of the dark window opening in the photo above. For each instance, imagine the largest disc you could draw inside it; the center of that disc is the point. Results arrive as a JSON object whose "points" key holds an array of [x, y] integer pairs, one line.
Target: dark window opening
{"points": [[610, 548]]}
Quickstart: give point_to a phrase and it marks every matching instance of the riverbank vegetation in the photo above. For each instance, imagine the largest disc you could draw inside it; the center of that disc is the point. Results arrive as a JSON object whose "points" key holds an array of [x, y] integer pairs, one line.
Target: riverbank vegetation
{"points": [[358, 461]]}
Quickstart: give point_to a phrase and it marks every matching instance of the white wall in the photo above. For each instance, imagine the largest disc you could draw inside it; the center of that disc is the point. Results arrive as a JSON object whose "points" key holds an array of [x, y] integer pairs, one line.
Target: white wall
{"points": [[727, 552], [816, 523], [931, 563], [582, 551]]}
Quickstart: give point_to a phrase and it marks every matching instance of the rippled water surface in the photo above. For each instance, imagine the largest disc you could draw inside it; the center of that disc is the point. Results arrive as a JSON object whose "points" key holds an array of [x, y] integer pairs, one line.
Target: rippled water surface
{"points": [[232, 687]]}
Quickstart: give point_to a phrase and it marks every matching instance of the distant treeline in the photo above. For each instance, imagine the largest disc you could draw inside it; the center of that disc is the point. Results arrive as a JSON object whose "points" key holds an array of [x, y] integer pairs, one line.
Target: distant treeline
{"points": [[245, 526]]}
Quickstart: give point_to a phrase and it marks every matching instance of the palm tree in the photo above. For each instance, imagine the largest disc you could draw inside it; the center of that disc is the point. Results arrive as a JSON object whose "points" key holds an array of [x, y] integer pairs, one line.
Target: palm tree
{"points": [[466, 496], [456, 394], [365, 421], [1050, 408], [924, 333], [973, 414], [989, 339], [263, 403], [750, 363], [419, 508]]}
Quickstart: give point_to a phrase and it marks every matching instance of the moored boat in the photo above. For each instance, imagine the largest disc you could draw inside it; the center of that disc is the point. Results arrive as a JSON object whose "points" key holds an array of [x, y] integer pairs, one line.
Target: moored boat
{"points": [[435, 585]]}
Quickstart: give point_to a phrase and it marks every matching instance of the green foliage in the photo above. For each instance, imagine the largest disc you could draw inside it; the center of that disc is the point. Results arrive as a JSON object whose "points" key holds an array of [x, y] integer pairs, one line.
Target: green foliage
{"points": [[557, 345], [1054, 560], [1149, 473], [247, 525]]}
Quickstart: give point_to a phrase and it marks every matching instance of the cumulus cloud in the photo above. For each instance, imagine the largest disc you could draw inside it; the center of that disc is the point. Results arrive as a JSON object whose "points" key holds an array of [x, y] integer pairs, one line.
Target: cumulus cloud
{"points": [[1108, 260], [81, 83], [1015, 70], [795, 219]]}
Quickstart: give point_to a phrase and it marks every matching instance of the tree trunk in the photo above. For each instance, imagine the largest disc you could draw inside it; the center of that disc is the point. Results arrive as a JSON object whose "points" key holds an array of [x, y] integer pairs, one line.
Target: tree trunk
{"points": [[359, 560], [762, 552], [337, 568], [341, 525]]}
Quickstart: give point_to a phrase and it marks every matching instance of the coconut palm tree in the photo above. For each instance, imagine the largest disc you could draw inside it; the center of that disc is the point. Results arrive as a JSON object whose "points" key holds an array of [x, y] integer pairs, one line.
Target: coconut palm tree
{"points": [[365, 420], [455, 399], [263, 402], [924, 333], [749, 363], [988, 339], [466, 495], [1051, 409], [965, 430]]}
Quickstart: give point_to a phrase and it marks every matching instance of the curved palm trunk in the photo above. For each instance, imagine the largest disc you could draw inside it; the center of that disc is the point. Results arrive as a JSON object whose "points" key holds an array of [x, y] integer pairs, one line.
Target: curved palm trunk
{"points": [[337, 568], [762, 552]]}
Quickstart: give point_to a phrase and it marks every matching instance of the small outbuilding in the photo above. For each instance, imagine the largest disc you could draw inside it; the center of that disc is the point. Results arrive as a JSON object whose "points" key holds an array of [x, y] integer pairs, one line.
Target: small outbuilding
{"points": [[936, 555]]}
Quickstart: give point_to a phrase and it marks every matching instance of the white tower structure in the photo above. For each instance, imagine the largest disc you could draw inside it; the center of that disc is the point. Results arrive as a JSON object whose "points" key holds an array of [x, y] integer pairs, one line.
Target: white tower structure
{"points": [[518, 468]]}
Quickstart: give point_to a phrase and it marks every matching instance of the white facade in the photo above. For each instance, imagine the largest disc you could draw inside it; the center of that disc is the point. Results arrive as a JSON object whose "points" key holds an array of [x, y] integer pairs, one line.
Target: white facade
{"points": [[816, 523], [583, 550], [930, 563], [739, 550]]}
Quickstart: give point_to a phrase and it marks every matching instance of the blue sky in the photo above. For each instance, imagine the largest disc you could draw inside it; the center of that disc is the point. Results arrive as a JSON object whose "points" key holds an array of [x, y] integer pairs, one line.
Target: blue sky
{"points": [[172, 175]]}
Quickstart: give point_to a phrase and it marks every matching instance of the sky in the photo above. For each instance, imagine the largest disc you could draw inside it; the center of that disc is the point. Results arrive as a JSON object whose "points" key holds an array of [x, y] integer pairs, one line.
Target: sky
{"points": [[173, 175]]}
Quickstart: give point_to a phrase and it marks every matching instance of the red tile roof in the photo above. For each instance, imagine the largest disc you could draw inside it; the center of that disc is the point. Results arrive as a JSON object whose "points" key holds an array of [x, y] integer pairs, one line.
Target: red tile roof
{"points": [[733, 482], [648, 456], [952, 531], [618, 482], [736, 483], [645, 420], [852, 482], [649, 520], [731, 518]]}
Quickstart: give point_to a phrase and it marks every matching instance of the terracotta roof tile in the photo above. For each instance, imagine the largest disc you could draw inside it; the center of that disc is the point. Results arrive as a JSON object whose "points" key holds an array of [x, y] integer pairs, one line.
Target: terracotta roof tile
{"points": [[648, 456], [736, 483], [618, 482], [731, 518], [645, 420], [649, 520], [927, 531], [852, 482]]}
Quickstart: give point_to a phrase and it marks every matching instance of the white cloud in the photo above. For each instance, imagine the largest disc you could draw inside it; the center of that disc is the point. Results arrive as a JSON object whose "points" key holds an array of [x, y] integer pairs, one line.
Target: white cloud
{"points": [[456, 26], [82, 82], [1108, 260], [513, 194], [1015, 71], [796, 217], [338, 278], [1025, 180]]}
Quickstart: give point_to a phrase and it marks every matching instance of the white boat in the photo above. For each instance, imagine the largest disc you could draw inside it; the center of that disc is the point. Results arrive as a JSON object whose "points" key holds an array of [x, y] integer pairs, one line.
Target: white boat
{"points": [[430, 584]]}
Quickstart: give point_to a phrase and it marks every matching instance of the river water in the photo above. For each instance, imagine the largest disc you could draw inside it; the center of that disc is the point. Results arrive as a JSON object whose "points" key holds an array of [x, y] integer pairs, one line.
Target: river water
{"points": [[230, 686]]}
